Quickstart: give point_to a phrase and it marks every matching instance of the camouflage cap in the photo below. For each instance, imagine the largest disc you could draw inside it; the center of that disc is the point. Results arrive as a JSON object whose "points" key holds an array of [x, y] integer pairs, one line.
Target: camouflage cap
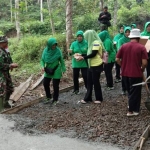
{"points": [[3, 39]]}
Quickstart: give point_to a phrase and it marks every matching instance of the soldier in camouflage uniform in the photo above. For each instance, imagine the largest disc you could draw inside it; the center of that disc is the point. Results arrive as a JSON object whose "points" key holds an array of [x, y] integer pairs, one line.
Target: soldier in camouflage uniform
{"points": [[6, 64]]}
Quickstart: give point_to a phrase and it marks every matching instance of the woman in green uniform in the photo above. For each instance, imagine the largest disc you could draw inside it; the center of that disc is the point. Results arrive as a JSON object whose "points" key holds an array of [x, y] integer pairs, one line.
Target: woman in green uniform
{"points": [[123, 40], [79, 47], [108, 44], [52, 58], [115, 41]]}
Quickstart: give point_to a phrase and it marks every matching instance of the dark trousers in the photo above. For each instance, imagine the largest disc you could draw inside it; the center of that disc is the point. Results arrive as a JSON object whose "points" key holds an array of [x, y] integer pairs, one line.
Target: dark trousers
{"points": [[46, 84], [117, 71], [93, 77], [108, 73], [123, 86], [76, 72], [134, 93]]}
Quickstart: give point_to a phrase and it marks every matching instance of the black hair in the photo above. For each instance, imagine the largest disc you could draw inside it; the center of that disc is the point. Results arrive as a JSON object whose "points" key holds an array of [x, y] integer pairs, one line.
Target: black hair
{"points": [[105, 7]]}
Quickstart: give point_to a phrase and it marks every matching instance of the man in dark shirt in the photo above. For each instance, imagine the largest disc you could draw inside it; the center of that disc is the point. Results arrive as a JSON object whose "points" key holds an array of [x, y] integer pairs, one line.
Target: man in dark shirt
{"points": [[132, 57], [104, 18]]}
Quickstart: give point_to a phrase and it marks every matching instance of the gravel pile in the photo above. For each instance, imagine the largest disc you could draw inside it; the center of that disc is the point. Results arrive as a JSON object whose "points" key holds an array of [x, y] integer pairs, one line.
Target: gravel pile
{"points": [[106, 122]]}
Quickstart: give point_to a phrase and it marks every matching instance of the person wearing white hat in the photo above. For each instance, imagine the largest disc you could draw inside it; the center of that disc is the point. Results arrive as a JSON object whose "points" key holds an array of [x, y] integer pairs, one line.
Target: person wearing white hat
{"points": [[132, 57]]}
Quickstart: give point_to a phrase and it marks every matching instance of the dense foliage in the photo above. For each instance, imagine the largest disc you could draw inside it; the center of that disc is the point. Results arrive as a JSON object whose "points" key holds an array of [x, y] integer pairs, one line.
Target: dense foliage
{"points": [[85, 14], [35, 33]]}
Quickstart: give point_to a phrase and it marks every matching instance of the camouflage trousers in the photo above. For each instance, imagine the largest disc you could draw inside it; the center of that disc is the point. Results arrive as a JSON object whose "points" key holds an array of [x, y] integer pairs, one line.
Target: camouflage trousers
{"points": [[6, 86]]}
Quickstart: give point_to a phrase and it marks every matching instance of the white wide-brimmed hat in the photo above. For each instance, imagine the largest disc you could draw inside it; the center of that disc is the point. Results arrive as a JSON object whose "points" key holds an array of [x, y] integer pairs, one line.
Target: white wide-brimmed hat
{"points": [[135, 33]]}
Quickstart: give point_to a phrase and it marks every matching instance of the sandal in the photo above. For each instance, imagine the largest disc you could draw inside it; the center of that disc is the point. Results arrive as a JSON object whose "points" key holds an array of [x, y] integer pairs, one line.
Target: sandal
{"points": [[97, 102], [129, 114], [83, 101]]}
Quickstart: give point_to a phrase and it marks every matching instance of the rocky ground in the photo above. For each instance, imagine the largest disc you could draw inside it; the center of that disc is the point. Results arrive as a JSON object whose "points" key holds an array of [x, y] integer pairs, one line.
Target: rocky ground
{"points": [[106, 122]]}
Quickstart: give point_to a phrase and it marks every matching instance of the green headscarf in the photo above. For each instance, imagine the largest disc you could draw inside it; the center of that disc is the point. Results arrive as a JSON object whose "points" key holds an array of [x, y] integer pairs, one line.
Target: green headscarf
{"points": [[145, 33], [104, 35], [91, 36], [80, 32], [50, 55], [134, 25], [119, 35], [83, 42], [124, 38]]}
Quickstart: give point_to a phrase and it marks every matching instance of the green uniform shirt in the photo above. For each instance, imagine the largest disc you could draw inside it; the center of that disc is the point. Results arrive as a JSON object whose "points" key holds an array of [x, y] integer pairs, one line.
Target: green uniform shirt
{"points": [[124, 39], [104, 36], [51, 58], [116, 39], [145, 32], [79, 47], [109, 48], [58, 72]]}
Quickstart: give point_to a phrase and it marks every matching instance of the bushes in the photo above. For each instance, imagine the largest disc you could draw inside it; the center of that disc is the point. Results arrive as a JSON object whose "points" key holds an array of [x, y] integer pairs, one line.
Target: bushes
{"points": [[29, 48], [129, 16], [36, 27], [87, 22], [7, 27]]}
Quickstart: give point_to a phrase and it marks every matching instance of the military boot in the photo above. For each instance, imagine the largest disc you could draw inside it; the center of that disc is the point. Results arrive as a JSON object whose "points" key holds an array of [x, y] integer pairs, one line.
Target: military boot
{"points": [[1, 104]]}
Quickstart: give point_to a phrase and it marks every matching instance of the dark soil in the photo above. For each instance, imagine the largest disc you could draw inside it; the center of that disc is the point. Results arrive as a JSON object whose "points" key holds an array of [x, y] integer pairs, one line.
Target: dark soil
{"points": [[106, 122]]}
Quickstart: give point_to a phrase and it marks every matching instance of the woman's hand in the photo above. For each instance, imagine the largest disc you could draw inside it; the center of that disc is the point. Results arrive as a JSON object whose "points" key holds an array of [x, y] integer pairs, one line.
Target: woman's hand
{"points": [[80, 58]]}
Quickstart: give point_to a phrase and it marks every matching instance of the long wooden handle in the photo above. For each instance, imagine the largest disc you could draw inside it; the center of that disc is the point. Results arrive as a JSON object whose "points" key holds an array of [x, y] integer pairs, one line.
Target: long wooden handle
{"points": [[141, 143], [147, 89]]}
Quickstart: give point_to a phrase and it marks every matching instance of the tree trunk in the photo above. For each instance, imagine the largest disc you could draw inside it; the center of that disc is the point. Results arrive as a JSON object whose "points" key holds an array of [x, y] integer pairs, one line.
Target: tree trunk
{"points": [[101, 5], [41, 10], [51, 18], [17, 18], [115, 12], [26, 5], [11, 14], [68, 23]]}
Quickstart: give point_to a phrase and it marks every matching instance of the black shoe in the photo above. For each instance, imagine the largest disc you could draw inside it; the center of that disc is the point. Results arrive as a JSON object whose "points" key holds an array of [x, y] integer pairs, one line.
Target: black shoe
{"points": [[47, 100], [6, 105], [54, 102], [76, 92], [117, 80]]}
